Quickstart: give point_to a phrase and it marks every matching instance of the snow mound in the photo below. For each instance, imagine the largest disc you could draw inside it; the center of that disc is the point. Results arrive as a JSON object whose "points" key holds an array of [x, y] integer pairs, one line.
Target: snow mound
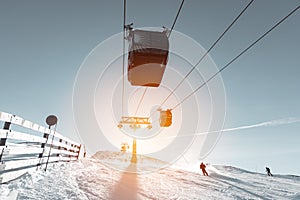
{"points": [[93, 178], [121, 161]]}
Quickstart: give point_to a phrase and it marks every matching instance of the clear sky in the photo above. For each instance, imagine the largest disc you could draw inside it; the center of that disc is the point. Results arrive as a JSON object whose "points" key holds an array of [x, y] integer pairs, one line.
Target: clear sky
{"points": [[43, 44]]}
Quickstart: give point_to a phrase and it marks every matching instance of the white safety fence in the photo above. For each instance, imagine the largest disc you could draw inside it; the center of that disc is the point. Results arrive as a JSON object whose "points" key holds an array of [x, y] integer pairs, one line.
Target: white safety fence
{"points": [[31, 149]]}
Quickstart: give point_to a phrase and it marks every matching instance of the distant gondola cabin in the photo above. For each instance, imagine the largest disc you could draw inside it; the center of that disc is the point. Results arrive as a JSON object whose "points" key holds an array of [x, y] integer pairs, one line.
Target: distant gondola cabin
{"points": [[148, 56], [165, 119]]}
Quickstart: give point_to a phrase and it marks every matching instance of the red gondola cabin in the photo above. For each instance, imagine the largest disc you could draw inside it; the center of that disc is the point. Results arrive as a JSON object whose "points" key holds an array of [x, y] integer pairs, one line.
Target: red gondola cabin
{"points": [[148, 56]]}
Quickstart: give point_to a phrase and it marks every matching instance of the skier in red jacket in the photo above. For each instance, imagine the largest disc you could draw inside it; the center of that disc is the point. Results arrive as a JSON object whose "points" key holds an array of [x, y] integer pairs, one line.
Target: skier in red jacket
{"points": [[202, 167]]}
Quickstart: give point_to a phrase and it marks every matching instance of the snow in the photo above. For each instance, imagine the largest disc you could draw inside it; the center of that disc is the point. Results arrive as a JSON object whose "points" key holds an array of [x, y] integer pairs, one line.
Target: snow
{"points": [[96, 178]]}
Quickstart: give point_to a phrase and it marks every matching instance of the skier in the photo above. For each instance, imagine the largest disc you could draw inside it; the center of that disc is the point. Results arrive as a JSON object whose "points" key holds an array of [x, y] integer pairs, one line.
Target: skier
{"points": [[268, 171], [202, 167]]}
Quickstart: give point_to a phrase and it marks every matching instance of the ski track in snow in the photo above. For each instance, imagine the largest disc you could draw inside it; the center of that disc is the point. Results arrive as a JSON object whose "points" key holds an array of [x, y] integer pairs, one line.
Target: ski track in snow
{"points": [[94, 179]]}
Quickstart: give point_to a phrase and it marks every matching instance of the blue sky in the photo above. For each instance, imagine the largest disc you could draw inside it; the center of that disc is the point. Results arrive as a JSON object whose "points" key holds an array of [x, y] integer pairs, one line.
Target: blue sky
{"points": [[43, 44]]}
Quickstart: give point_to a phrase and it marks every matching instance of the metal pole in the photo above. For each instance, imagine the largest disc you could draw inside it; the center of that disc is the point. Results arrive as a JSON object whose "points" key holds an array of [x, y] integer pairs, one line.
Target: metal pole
{"points": [[50, 148]]}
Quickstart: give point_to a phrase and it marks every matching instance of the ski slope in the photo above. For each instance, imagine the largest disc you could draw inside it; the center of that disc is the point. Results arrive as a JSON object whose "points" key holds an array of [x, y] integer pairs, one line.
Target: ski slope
{"points": [[93, 178]]}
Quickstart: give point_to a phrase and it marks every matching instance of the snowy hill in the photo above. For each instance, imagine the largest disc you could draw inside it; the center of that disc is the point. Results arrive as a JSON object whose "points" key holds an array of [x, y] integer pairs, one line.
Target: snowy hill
{"points": [[93, 178], [121, 162]]}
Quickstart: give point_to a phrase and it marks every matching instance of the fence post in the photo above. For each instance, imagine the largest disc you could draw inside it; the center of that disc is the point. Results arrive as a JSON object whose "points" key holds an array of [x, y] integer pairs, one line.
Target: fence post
{"points": [[71, 150], [68, 149], [59, 148], [79, 151], [43, 145], [3, 140], [7, 125]]}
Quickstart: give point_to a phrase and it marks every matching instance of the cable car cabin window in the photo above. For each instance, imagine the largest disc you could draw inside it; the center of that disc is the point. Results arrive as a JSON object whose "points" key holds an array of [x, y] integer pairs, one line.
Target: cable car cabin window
{"points": [[165, 118], [148, 56]]}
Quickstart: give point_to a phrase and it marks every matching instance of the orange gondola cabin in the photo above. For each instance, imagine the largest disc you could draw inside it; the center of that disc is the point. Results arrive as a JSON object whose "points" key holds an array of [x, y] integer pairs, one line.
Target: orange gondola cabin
{"points": [[165, 119], [148, 57]]}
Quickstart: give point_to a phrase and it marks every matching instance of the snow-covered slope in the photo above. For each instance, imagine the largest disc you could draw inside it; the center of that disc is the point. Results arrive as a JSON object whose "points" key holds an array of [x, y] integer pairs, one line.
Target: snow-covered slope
{"points": [[93, 179]]}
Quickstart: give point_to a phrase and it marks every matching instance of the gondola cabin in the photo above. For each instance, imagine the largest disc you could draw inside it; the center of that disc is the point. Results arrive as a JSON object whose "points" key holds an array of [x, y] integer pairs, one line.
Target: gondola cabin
{"points": [[165, 119], [148, 57]]}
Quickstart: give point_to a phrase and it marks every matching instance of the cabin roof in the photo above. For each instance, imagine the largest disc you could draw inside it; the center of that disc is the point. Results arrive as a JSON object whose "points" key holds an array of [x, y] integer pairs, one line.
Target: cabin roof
{"points": [[154, 41]]}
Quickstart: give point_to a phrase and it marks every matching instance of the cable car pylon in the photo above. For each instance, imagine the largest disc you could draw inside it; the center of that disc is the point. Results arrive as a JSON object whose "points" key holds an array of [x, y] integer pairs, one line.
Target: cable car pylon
{"points": [[135, 122]]}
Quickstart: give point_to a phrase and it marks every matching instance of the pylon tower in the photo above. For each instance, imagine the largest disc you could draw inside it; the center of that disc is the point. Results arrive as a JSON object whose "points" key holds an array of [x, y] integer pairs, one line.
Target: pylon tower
{"points": [[133, 157]]}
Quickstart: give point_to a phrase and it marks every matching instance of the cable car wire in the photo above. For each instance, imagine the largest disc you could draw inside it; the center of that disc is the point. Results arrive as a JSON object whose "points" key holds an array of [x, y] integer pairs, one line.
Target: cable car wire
{"points": [[140, 102], [173, 25], [207, 52], [123, 65], [240, 54], [175, 20]]}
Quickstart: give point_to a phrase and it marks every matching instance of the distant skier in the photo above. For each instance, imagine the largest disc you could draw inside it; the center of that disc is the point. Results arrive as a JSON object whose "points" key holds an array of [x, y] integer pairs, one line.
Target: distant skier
{"points": [[268, 171], [202, 167]]}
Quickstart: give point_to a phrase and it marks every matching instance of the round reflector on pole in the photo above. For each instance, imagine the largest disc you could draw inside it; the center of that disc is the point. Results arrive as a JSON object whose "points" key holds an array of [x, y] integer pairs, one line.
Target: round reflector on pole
{"points": [[51, 120]]}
